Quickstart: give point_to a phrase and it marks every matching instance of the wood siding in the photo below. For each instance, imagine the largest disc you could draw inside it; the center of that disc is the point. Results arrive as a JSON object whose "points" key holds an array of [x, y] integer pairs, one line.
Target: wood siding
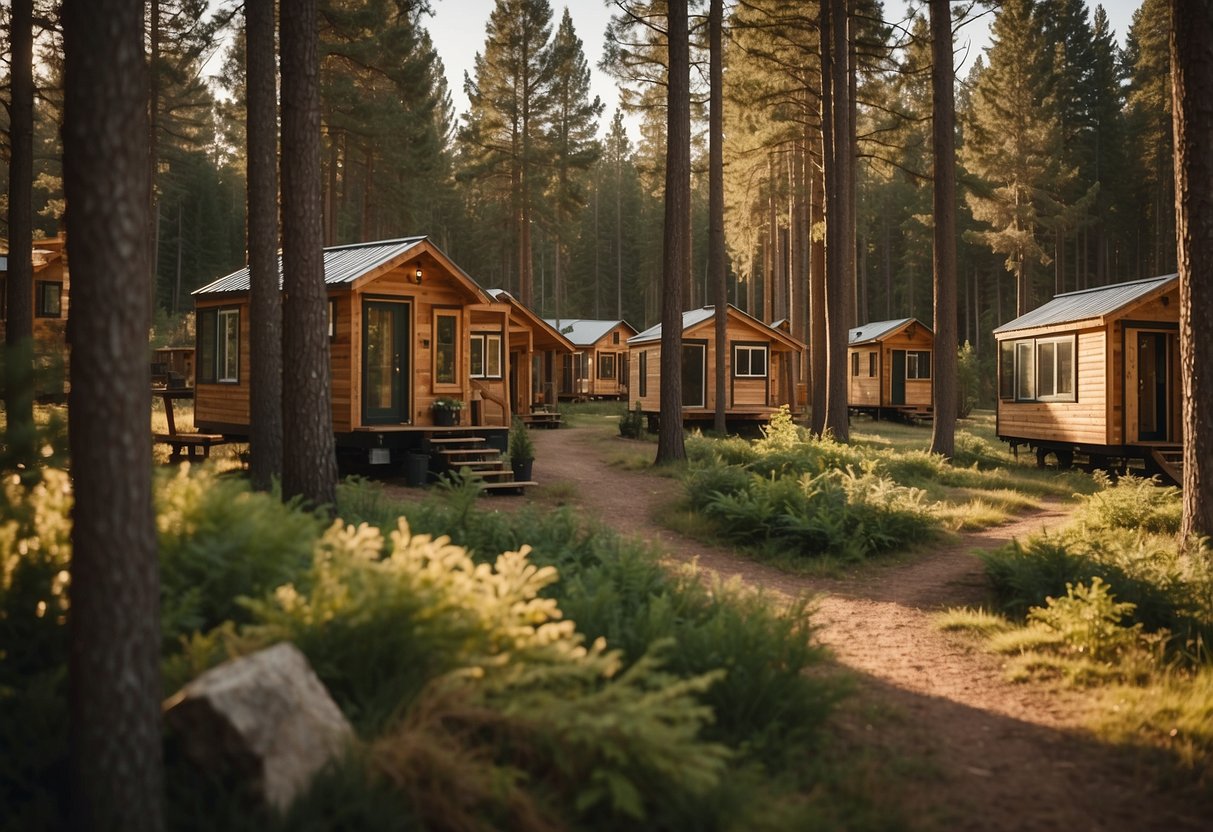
{"points": [[866, 391]]}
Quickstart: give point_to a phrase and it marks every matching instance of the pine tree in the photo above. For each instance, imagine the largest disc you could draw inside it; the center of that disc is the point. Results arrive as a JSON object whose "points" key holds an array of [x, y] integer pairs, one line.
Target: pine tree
{"points": [[503, 135], [571, 139]]}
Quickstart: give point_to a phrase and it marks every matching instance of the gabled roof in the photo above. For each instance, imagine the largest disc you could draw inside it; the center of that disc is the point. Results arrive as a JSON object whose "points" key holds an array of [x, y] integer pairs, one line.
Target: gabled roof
{"points": [[693, 317], [345, 265], [502, 296], [584, 332], [877, 330], [1086, 304]]}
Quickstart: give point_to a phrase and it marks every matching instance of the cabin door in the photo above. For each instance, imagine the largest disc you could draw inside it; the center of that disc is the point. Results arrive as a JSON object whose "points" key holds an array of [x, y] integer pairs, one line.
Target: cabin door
{"points": [[1157, 354], [385, 377], [694, 375], [897, 384]]}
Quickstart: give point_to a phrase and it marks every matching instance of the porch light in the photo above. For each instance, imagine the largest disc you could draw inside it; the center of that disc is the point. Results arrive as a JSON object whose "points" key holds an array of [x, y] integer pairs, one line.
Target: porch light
{"points": [[419, 277]]}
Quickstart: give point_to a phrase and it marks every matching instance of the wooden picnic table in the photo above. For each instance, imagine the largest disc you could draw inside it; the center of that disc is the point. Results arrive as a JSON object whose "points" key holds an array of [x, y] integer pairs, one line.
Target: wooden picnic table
{"points": [[191, 443]]}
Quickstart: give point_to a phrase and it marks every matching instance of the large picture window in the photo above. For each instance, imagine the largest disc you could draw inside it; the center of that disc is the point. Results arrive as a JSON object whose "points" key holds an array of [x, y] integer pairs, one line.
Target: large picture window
{"points": [[446, 337], [486, 355], [1037, 369], [749, 361], [219, 345], [606, 365]]}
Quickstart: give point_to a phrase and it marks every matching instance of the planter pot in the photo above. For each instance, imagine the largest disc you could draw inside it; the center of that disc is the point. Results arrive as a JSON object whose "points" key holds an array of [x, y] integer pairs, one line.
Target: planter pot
{"points": [[444, 417], [522, 470]]}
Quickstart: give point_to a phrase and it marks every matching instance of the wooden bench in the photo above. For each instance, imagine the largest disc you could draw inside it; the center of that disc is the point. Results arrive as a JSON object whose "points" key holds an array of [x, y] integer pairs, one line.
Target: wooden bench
{"points": [[543, 418], [191, 443]]}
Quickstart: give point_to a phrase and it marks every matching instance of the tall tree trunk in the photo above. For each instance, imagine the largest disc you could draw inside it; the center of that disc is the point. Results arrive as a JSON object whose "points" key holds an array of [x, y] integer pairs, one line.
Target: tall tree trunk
{"points": [[309, 465], [817, 295], [840, 281], [20, 433], [1191, 80], [716, 256], [114, 621], [153, 151], [676, 243], [330, 187], [943, 141], [619, 236], [265, 313]]}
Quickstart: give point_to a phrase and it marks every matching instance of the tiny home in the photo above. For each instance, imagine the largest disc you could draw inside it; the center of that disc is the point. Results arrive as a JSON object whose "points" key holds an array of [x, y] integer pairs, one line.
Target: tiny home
{"points": [[537, 352], [759, 363], [889, 368], [414, 343], [1094, 372], [598, 368], [50, 300]]}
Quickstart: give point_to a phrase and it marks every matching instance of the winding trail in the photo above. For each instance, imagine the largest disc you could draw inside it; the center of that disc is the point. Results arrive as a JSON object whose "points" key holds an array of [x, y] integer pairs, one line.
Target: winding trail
{"points": [[983, 753]]}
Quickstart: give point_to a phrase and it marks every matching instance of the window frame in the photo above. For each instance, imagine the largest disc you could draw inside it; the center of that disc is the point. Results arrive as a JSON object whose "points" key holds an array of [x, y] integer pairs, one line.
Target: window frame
{"points": [[872, 364], [1070, 341], [490, 348], [916, 359], [749, 348], [213, 371], [605, 360], [1017, 375], [441, 383], [40, 305], [855, 364], [642, 383]]}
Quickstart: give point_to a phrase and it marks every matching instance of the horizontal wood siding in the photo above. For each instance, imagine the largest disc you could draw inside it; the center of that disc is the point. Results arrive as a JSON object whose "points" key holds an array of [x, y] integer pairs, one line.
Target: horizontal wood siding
{"points": [[1084, 421], [918, 391], [225, 404], [863, 390]]}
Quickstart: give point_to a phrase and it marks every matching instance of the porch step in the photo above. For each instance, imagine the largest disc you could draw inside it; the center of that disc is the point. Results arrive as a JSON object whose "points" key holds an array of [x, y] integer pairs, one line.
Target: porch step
{"points": [[505, 485], [450, 453], [1170, 461], [457, 440]]}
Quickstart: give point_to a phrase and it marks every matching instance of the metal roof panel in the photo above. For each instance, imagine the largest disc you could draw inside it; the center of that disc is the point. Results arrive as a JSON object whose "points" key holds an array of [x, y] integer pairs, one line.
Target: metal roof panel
{"points": [[583, 332], [1087, 303], [874, 331]]}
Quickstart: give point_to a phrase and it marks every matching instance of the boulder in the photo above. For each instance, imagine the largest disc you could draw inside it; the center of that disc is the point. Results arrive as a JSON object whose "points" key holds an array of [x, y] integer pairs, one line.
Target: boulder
{"points": [[266, 717]]}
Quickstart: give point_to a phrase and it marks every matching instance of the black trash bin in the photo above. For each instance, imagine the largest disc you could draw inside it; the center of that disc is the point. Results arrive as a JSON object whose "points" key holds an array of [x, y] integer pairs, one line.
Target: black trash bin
{"points": [[416, 468]]}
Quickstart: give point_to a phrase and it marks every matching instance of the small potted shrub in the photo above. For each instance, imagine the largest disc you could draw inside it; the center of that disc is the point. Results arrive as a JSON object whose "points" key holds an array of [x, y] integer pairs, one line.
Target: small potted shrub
{"points": [[446, 411], [522, 452]]}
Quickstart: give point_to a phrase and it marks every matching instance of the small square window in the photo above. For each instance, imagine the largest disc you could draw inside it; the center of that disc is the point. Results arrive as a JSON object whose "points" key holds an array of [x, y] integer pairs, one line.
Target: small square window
{"points": [[749, 361]]}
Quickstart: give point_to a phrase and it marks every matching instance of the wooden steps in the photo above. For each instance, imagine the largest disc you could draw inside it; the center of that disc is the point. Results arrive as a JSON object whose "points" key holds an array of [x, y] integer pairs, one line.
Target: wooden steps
{"points": [[1170, 464], [542, 419], [476, 460]]}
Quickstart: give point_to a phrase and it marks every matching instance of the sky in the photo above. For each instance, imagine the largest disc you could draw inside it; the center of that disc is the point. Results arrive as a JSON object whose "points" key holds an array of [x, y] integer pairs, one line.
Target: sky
{"points": [[457, 29]]}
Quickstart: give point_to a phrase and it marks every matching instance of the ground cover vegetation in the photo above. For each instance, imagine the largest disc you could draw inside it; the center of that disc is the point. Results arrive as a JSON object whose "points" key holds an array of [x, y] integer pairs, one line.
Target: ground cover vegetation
{"points": [[1114, 603], [528, 672], [792, 497]]}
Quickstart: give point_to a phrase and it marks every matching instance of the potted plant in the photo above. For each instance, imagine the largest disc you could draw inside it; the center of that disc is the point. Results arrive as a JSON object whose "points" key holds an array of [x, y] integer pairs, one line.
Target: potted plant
{"points": [[446, 411], [522, 452]]}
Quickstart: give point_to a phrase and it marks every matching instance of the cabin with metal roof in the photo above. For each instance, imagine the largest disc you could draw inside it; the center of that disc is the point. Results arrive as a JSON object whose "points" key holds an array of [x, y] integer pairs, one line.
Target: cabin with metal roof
{"points": [[52, 286], [598, 367], [890, 368], [410, 335], [761, 362], [537, 352], [1095, 372]]}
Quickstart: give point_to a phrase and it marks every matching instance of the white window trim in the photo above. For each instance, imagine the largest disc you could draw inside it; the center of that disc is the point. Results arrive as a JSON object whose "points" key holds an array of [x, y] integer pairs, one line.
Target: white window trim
{"points": [[612, 359], [226, 319], [490, 345], [1055, 396], [750, 349]]}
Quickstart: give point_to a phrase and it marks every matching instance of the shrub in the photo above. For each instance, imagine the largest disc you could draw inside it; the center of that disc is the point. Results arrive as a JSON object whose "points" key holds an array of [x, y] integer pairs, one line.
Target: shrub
{"points": [[1133, 503], [631, 423], [1088, 620], [521, 447]]}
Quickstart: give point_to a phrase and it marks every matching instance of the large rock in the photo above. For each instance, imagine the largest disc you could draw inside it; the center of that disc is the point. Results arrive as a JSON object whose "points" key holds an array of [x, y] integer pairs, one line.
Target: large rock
{"points": [[266, 716]]}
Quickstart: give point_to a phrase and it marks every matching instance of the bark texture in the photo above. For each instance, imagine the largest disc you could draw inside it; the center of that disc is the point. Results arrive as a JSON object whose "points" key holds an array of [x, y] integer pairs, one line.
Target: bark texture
{"points": [[943, 145], [676, 246], [309, 465], [716, 254], [20, 434], [1192, 106], [114, 627], [840, 262], [265, 313]]}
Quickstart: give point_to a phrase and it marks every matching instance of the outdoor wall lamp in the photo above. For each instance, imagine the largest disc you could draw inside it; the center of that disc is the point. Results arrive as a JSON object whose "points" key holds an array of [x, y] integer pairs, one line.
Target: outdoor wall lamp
{"points": [[419, 277]]}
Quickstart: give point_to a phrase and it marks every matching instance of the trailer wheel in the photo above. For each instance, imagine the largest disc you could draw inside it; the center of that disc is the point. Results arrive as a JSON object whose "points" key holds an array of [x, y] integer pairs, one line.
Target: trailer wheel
{"points": [[1065, 459]]}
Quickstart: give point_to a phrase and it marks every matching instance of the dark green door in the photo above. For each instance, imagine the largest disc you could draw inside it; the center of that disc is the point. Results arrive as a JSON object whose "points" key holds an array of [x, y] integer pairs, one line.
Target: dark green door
{"points": [[1152, 390], [897, 386], [385, 394]]}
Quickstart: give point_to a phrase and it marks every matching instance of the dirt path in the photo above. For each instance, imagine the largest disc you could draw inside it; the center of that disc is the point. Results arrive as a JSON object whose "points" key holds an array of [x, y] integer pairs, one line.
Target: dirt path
{"points": [[986, 754]]}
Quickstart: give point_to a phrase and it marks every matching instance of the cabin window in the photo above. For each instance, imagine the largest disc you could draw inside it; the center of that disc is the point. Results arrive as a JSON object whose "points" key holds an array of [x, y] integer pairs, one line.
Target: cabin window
{"points": [[446, 336], [219, 345], [1006, 370], [643, 381], [486, 355], [332, 318], [614, 337], [1025, 370], [918, 365], [749, 361], [1055, 369], [871, 365], [49, 299], [854, 363], [606, 365]]}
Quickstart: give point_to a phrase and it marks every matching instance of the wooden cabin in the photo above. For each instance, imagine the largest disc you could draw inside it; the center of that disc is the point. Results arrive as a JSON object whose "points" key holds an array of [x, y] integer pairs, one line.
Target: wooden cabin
{"points": [[1095, 372], [537, 353], [598, 368], [889, 368], [759, 362], [52, 290], [407, 328], [173, 366]]}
